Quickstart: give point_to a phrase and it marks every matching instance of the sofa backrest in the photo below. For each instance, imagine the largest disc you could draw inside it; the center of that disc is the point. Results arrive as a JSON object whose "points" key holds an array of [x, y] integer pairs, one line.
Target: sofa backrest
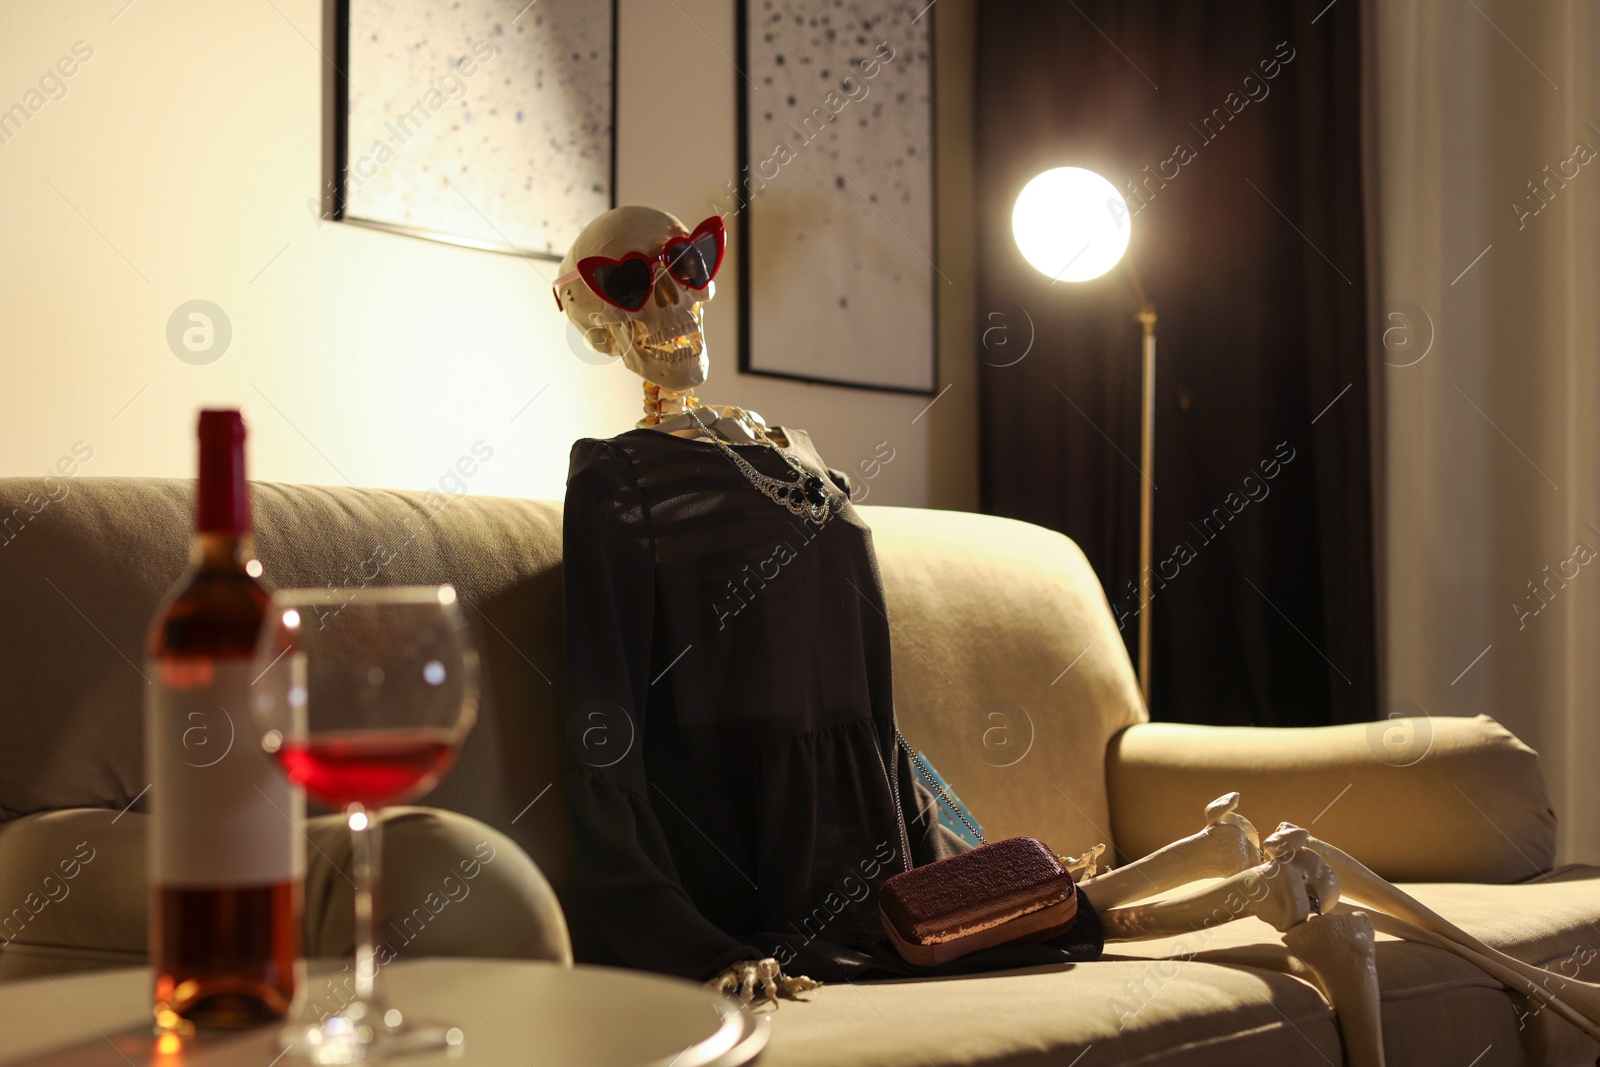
{"points": [[986, 614], [1009, 672], [84, 576]]}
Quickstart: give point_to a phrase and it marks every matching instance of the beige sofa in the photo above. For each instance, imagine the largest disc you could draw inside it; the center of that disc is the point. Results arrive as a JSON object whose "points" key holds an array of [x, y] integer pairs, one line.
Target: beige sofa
{"points": [[1009, 672]]}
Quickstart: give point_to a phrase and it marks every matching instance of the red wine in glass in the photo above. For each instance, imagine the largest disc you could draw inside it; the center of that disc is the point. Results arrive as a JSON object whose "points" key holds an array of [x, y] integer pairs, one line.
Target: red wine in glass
{"points": [[370, 768]]}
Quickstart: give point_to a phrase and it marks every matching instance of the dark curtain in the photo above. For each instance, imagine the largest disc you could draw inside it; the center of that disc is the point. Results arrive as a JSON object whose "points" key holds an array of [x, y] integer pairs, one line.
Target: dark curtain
{"points": [[1237, 126]]}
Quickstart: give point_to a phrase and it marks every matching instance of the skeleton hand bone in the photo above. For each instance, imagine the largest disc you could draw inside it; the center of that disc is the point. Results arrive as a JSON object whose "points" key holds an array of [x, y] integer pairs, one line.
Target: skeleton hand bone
{"points": [[740, 981], [1084, 866]]}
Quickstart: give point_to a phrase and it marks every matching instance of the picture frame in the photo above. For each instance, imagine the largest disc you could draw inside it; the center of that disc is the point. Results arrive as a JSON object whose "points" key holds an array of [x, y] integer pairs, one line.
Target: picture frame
{"points": [[857, 308], [490, 124]]}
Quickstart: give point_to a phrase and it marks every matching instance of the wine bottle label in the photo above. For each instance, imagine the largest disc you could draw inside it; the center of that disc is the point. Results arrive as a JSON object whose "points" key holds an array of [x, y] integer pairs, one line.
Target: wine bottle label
{"points": [[222, 813]]}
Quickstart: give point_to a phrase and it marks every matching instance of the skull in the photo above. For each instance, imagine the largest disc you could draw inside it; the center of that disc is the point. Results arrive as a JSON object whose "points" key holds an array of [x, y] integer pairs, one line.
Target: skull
{"points": [[662, 342]]}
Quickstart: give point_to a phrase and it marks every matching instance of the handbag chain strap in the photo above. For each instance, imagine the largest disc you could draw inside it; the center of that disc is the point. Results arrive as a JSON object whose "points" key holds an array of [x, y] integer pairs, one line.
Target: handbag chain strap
{"points": [[938, 787]]}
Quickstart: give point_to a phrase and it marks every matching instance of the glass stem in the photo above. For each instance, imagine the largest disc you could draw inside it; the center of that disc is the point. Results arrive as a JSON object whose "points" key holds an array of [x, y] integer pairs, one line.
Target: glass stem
{"points": [[366, 853]]}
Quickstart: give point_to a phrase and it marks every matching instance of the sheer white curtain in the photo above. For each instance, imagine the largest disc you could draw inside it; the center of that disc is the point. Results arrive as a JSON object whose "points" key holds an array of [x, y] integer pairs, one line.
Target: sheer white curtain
{"points": [[1483, 172]]}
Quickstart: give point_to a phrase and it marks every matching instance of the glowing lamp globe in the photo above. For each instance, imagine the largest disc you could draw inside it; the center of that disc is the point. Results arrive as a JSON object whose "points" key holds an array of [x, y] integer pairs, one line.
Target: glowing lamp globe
{"points": [[1071, 224]]}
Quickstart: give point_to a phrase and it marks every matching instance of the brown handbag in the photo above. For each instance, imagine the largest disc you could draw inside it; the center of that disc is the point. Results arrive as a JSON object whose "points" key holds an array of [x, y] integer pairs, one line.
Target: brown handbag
{"points": [[1014, 890]]}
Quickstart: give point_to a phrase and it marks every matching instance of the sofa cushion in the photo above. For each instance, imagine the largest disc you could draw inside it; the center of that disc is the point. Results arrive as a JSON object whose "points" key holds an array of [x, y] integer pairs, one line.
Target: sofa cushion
{"points": [[1224, 999], [1541, 921], [1062, 1016]]}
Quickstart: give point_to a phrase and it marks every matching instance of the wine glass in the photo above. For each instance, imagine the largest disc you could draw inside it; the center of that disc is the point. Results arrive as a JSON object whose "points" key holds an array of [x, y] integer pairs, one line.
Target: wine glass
{"points": [[363, 698]]}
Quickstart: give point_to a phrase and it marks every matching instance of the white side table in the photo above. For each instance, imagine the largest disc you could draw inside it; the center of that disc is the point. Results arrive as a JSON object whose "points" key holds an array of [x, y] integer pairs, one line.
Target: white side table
{"points": [[514, 1014]]}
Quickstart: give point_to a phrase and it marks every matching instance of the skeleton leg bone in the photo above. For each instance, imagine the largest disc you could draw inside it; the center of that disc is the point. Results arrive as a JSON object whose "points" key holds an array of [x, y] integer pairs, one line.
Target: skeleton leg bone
{"points": [[1338, 950], [1398, 913], [1288, 890], [1575, 1001], [1226, 846]]}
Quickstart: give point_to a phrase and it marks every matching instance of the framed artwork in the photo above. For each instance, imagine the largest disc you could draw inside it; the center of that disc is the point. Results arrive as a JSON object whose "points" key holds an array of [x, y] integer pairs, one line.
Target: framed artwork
{"points": [[835, 193], [484, 123]]}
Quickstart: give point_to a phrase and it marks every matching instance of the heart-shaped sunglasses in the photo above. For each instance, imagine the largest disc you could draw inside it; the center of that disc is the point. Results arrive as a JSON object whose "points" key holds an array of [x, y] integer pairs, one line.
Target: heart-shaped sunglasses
{"points": [[626, 283]]}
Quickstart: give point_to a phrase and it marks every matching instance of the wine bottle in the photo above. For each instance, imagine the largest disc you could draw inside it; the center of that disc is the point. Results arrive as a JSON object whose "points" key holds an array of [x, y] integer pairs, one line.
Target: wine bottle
{"points": [[225, 858]]}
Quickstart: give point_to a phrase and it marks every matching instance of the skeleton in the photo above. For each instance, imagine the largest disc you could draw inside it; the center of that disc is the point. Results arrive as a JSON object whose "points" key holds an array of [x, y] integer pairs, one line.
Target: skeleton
{"points": [[1304, 888]]}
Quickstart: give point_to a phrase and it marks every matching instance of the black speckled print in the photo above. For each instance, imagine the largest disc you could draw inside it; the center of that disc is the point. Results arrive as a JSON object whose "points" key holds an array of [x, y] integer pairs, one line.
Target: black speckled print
{"points": [[839, 128], [484, 119]]}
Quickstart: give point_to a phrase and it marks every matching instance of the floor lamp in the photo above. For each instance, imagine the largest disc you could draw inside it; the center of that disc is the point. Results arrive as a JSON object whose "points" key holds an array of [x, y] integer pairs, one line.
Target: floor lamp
{"points": [[1072, 225]]}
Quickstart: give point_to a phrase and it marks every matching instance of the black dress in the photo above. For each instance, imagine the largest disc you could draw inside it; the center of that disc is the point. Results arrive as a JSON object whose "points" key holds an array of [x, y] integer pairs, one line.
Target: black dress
{"points": [[736, 789]]}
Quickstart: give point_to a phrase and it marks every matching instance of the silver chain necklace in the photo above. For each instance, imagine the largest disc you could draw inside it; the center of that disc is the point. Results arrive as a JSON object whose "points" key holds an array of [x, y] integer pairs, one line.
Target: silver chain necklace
{"points": [[807, 496]]}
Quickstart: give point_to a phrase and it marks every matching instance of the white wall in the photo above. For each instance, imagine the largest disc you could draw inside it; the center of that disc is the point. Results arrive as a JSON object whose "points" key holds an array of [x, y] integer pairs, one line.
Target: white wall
{"points": [[178, 166], [1491, 458]]}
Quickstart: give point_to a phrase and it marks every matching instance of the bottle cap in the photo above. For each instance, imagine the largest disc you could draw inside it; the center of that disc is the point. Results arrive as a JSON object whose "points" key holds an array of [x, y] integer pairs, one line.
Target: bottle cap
{"points": [[222, 502]]}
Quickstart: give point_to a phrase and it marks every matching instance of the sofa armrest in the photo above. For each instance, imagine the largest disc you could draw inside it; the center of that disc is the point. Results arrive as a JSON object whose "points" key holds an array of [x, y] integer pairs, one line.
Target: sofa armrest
{"points": [[452, 886], [1430, 799]]}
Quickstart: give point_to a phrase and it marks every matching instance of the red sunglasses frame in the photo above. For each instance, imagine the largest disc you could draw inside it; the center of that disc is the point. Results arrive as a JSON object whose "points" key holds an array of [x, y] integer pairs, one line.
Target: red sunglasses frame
{"points": [[662, 259]]}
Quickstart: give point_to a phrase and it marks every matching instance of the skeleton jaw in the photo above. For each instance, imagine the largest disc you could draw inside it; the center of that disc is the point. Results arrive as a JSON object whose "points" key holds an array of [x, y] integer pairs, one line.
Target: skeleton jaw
{"points": [[671, 356], [672, 343]]}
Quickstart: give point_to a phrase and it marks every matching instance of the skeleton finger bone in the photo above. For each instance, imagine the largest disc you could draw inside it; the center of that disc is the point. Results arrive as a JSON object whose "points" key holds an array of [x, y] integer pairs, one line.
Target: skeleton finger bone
{"points": [[769, 972], [1226, 846], [793, 987], [727, 980], [737, 980], [1338, 950]]}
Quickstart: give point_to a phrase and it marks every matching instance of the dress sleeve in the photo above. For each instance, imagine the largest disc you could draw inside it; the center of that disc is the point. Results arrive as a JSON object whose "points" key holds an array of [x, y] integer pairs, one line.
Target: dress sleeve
{"points": [[625, 886]]}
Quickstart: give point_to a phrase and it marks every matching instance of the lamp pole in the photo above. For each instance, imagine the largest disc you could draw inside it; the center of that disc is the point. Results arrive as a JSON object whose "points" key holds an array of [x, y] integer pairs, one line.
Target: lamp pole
{"points": [[1067, 208], [1146, 317]]}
